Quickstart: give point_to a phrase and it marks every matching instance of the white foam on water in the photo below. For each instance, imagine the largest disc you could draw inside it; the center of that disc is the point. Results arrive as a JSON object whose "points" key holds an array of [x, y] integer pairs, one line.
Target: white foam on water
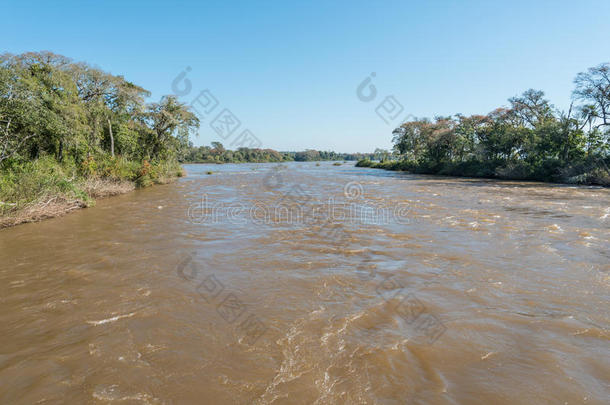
{"points": [[108, 320]]}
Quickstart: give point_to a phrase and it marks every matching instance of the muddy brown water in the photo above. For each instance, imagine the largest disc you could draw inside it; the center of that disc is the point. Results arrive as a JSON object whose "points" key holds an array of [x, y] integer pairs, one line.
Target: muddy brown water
{"points": [[366, 286]]}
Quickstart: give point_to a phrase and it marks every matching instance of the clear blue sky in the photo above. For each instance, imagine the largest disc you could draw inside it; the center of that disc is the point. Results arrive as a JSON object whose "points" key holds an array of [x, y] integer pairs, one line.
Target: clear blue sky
{"points": [[289, 72]]}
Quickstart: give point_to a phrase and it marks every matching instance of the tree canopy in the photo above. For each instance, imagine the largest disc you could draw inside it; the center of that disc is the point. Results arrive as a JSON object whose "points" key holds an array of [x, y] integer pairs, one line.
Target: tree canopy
{"points": [[53, 106], [528, 139]]}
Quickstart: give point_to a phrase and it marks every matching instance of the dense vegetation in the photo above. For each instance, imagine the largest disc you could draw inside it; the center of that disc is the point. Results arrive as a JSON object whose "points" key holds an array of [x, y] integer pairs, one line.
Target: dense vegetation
{"points": [[216, 153], [530, 139], [67, 129], [311, 155]]}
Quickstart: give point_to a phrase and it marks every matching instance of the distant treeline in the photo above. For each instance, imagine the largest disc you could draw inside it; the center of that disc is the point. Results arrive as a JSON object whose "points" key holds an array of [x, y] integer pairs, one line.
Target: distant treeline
{"points": [[216, 153], [317, 155], [530, 139]]}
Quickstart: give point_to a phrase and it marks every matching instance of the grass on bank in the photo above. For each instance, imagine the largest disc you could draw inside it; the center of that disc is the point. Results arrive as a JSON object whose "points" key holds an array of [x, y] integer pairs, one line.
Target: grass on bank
{"points": [[44, 188], [590, 171]]}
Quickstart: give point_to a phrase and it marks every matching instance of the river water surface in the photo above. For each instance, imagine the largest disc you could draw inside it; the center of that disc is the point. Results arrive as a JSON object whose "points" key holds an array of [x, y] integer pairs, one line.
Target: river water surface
{"points": [[366, 286]]}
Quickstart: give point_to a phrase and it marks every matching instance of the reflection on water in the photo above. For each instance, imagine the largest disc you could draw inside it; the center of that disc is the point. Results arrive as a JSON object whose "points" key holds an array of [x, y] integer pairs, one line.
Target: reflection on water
{"points": [[482, 292]]}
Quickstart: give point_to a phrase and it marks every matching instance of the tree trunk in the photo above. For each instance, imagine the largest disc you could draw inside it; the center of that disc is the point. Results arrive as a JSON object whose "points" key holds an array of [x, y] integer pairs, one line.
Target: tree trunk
{"points": [[111, 138]]}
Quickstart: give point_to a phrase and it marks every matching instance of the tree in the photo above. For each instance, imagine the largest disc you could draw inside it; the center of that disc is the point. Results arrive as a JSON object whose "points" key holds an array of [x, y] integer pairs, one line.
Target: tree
{"points": [[531, 108], [593, 88], [217, 148], [164, 120], [410, 139], [307, 155], [15, 112], [381, 154], [43, 104], [108, 99]]}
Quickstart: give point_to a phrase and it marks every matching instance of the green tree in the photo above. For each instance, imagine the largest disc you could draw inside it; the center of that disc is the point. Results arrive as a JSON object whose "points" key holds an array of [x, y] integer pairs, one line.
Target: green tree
{"points": [[164, 120]]}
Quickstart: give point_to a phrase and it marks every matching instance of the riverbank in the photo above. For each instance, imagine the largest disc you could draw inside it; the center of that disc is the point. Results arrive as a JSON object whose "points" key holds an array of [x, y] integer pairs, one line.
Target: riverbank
{"points": [[594, 172], [46, 189]]}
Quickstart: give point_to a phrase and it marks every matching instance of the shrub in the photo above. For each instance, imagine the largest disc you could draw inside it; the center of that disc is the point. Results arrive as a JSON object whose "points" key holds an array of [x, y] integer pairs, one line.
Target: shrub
{"points": [[364, 163], [27, 182]]}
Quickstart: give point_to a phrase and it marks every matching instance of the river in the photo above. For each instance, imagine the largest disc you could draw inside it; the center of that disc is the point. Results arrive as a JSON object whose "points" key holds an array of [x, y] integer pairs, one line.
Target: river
{"points": [[310, 283]]}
